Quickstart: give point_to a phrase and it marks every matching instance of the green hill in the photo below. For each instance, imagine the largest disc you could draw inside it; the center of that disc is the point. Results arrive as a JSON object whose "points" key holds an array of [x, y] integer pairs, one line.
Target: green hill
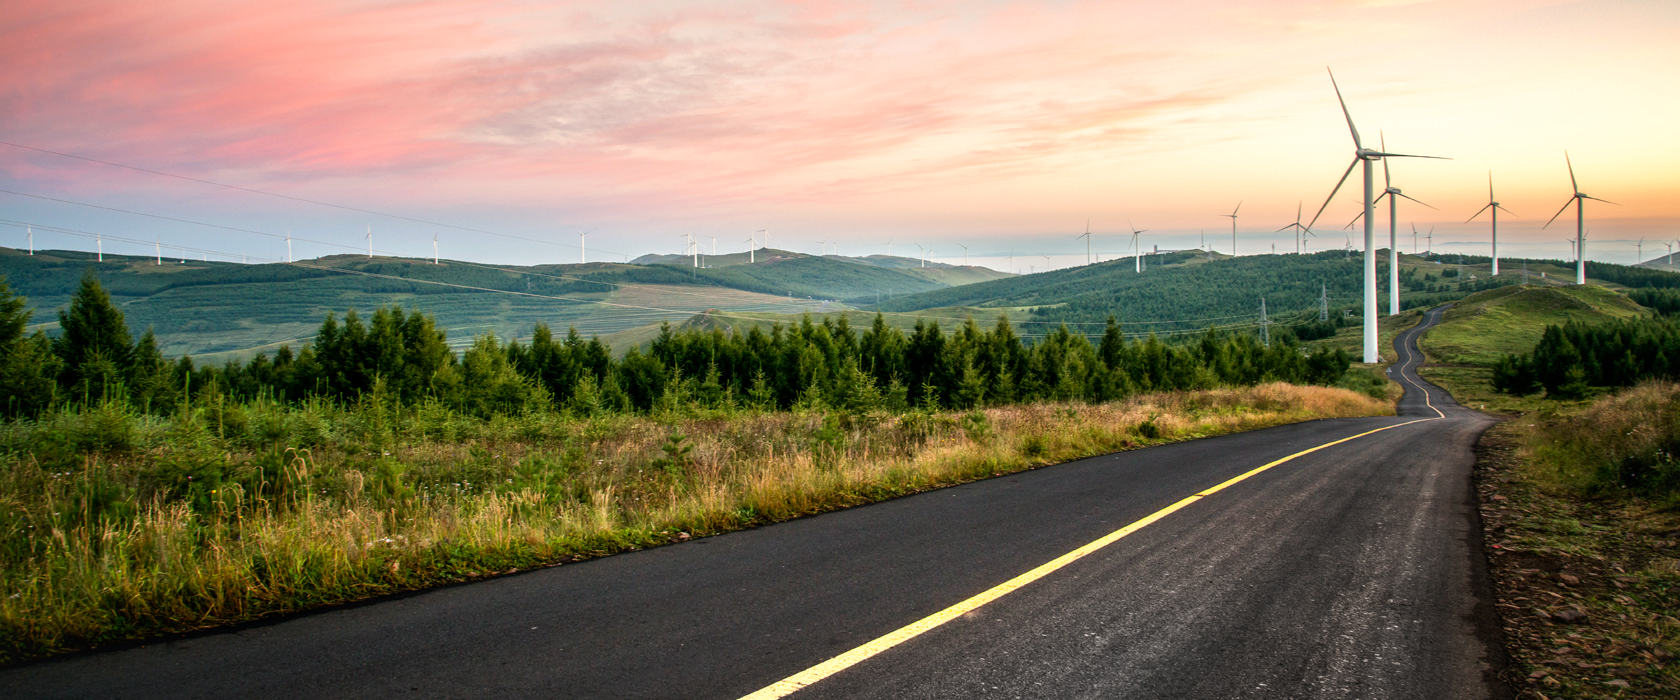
{"points": [[823, 276], [1488, 325], [214, 310]]}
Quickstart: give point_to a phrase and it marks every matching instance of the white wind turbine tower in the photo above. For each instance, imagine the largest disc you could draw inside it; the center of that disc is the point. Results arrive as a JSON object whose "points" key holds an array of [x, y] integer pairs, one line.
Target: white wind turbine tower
{"points": [[1137, 245], [1391, 192], [1087, 236], [965, 253], [157, 249], [1364, 155], [1301, 232], [1233, 216], [1577, 199], [370, 240], [752, 251], [31, 232], [583, 256], [1640, 255], [434, 250], [101, 241], [1492, 207], [288, 246]]}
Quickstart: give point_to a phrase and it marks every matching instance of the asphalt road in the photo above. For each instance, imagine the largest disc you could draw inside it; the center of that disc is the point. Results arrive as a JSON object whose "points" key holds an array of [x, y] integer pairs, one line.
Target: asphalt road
{"points": [[1352, 571]]}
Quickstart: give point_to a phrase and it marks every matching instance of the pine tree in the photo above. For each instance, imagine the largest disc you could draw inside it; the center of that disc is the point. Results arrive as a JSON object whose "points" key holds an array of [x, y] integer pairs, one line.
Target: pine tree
{"points": [[94, 343]]}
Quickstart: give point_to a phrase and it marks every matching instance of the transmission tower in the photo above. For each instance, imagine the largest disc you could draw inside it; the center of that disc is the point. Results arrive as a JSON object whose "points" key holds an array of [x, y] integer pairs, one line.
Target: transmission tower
{"points": [[1323, 302], [1265, 325]]}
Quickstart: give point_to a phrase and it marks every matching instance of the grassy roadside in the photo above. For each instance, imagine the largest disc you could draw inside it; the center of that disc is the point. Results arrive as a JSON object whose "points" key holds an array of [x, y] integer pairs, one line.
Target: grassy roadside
{"points": [[120, 527], [1585, 566], [1587, 586]]}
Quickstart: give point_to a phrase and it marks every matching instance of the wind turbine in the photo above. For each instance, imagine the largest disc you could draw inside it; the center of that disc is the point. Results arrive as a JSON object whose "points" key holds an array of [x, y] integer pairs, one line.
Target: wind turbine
{"points": [[1364, 155], [1392, 192], [434, 250], [31, 232], [1137, 245], [1233, 216], [370, 240], [751, 251], [1414, 239], [1431, 237], [1577, 199], [288, 246], [1640, 255], [1087, 236], [582, 247], [1299, 230], [101, 240], [157, 249], [965, 254], [920, 255], [1493, 208], [766, 233]]}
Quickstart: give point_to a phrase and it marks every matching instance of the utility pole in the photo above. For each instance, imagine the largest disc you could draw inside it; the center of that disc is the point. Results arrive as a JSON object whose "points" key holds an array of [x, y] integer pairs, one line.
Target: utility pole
{"points": [[1265, 325], [1323, 302]]}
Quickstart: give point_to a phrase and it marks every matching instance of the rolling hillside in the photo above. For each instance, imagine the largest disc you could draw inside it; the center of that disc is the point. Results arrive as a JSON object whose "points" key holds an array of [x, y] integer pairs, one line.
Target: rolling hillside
{"points": [[1488, 325], [824, 276], [216, 310]]}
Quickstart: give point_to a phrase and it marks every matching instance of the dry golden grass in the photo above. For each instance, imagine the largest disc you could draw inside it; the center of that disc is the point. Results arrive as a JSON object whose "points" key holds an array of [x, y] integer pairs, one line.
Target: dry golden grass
{"points": [[341, 523]]}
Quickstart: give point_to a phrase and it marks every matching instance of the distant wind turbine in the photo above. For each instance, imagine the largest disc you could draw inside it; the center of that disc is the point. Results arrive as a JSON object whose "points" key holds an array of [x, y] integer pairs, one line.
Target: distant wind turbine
{"points": [[1577, 199], [1137, 245], [434, 250], [1364, 155], [751, 251], [1299, 230], [1492, 207], [582, 247], [965, 254], [1640, 247], [157, 248], [288, 246], [31, 232], [766, 233], [101, 240], [370, 240], [1087, 236], [1233, 216]]}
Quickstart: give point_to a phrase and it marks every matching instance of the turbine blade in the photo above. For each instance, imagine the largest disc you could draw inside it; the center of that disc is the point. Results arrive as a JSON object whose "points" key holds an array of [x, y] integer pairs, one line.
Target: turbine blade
{"points": [[1356, 218], [1408, 155], [1286, 227], [1502, 208], [1234, 211], [1559, 213], [1333, 192], [1485, 207], [1490, 185], [1572, 184], [1606, 201], [1415, 199], [1351, 128], [1382, 142]]}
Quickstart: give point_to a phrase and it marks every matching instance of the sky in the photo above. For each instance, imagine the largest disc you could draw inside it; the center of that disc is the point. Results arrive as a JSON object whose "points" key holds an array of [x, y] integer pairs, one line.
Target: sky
{"points": [[506, 128]]}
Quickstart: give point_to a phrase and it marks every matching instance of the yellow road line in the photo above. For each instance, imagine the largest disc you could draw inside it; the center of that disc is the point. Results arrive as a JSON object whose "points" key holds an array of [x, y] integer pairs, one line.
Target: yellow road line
{"points": [[786, 686]]}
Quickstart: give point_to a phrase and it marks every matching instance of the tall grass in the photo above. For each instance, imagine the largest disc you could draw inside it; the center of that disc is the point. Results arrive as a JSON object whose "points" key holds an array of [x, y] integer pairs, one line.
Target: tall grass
{"points": [[1626, 442], [116, 525]]}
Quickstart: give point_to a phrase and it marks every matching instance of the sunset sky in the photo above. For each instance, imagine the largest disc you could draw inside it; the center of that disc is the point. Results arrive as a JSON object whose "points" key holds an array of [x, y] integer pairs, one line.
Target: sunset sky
{"points": [[1002, 126]]}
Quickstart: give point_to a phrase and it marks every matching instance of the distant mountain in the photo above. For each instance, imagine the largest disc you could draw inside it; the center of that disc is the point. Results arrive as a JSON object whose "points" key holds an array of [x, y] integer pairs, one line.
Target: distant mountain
{"points": [[224, 309], [825, 276]]}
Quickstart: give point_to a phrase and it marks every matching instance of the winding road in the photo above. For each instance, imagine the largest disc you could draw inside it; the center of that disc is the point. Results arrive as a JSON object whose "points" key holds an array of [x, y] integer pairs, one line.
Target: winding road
{"points": [[1336, 558]]}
